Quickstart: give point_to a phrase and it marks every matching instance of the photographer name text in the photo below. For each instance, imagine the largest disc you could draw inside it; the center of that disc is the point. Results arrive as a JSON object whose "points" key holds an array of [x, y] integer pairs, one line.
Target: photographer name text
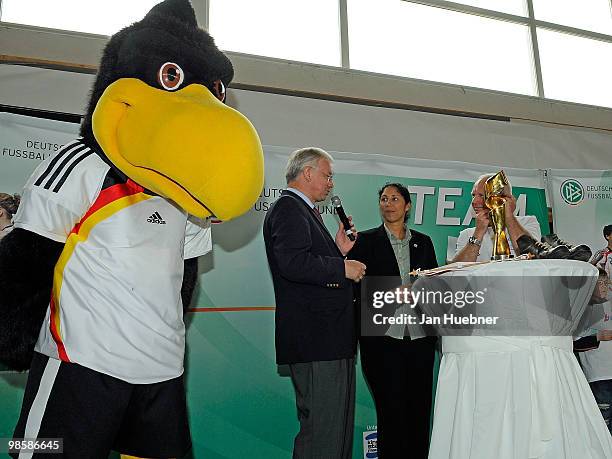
{"points": [[445, 319]]}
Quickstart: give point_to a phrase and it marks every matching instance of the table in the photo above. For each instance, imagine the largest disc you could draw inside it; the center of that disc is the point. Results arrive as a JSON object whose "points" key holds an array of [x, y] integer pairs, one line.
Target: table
{"points": [[519, 397]]}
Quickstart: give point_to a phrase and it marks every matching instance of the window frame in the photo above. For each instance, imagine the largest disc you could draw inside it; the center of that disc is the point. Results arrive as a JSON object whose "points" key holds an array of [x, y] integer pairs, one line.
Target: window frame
{"points": [[528, 20], [79, 52]]}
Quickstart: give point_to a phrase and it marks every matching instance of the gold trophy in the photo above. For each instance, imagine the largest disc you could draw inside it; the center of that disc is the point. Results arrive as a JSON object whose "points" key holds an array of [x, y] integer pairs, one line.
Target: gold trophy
{"points": [[494, 191]]}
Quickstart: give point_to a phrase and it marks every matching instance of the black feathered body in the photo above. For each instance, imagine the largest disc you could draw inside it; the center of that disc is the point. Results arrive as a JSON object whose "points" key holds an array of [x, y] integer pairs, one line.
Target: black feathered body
{"points": [[26, 263]]}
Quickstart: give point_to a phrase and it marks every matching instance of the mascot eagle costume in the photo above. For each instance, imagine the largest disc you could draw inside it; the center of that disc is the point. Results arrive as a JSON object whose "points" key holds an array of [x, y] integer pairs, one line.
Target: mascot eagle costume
{"points": [[104, 251]]}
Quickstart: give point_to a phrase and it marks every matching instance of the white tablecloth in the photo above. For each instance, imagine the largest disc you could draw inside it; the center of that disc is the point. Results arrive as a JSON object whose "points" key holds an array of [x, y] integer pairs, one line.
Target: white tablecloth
{"points": [[518, 397]]}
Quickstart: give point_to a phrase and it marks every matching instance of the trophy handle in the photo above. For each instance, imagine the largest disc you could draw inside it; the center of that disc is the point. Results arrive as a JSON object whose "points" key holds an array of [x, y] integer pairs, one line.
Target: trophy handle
{"points": [[501, 248]]}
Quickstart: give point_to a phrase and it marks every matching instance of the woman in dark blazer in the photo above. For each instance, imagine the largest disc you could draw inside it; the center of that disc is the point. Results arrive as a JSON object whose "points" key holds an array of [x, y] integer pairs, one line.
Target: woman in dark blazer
{"points": [[399, 371]]}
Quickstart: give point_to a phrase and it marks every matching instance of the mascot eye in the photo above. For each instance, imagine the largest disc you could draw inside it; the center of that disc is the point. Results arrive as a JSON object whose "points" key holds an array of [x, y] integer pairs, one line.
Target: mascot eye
{"points": [[170, 76], [219, 90]]}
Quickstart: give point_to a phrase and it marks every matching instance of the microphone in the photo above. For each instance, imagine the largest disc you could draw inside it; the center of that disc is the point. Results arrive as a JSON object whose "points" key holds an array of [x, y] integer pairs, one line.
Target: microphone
{"points": [[337, 203]]}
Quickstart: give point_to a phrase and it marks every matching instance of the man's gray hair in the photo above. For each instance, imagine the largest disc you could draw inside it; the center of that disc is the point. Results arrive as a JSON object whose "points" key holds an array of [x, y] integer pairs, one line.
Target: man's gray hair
{"points": [[488, 176], [302, 158]]}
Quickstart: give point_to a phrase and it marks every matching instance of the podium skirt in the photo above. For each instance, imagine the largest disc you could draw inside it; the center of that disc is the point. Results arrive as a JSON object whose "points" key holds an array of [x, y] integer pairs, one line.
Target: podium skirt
{"points": [[515, 398]]}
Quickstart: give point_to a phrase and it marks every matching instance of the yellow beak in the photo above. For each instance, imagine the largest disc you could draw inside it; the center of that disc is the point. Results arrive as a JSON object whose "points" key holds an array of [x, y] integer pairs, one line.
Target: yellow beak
{"points": [[186, 146]]}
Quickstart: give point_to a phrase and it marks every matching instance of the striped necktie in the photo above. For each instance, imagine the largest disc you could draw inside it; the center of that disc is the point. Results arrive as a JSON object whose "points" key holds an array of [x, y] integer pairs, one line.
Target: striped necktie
{"points": [[318, 215]]}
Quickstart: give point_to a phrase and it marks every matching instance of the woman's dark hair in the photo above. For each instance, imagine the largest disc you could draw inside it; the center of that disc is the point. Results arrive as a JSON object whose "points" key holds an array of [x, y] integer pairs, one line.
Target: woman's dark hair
{"points": [[10, 203], [607, 230], [402, 190]]}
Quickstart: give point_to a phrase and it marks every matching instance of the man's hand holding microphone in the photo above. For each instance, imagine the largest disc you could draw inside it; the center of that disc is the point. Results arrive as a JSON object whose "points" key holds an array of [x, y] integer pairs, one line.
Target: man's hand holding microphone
{"points": [[345, 240]]}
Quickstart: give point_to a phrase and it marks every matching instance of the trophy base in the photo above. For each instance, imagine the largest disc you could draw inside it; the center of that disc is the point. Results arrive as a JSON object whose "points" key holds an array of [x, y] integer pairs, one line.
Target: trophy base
{"points": [[501, 257]]}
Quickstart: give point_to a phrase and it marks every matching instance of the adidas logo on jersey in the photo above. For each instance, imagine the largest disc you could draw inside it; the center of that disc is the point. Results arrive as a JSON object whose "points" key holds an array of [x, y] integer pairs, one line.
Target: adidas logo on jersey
{"points": [[156, 218]]}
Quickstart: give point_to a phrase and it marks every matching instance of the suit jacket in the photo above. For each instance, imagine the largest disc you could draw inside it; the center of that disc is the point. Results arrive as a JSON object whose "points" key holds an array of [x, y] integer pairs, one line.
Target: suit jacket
{"points": [[315, 317], [374, 249]]}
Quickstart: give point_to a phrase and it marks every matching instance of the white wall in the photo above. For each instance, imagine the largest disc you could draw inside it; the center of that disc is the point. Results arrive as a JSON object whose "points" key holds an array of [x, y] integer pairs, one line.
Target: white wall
{"points": [[336, 126]]}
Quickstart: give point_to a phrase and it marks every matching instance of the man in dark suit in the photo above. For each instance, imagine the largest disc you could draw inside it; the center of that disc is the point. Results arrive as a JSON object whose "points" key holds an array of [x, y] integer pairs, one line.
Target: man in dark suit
{"points": [[399, 371], [315, 317]]}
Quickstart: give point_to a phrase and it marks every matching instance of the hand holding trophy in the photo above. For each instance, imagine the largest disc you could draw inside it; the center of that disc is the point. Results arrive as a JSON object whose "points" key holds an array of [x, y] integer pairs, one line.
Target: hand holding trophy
{"points": [[495, 199]]}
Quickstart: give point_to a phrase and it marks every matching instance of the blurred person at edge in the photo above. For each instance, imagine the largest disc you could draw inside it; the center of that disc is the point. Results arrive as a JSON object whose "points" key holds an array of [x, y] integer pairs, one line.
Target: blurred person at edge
{"points": [[399, 370], [8, 208], [603, 258], [595, 353]]}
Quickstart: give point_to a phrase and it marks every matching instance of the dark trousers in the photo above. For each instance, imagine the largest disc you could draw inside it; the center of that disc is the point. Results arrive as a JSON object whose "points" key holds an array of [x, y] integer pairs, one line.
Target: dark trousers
{"points": [[400, 376], [325, 400], [602, 390], [93, 413]]}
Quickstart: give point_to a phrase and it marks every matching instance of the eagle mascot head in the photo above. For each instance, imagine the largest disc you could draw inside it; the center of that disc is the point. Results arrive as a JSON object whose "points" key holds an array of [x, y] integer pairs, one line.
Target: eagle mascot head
{"points": [[157, 113]]}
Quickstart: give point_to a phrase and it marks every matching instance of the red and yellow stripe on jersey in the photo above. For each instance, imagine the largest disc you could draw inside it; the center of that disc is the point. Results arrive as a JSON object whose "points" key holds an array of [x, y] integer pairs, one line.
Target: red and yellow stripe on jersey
{"points": [[110, 201]]}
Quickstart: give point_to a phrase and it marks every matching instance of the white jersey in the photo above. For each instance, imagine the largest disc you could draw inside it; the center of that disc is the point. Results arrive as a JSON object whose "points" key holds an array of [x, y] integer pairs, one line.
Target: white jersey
{"points": [[115, 304], [529, 222], [597, 363]]}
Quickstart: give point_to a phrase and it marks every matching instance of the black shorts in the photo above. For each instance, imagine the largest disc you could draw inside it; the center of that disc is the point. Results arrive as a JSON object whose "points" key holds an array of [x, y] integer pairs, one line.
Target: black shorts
{"points": [[95, 413]]}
